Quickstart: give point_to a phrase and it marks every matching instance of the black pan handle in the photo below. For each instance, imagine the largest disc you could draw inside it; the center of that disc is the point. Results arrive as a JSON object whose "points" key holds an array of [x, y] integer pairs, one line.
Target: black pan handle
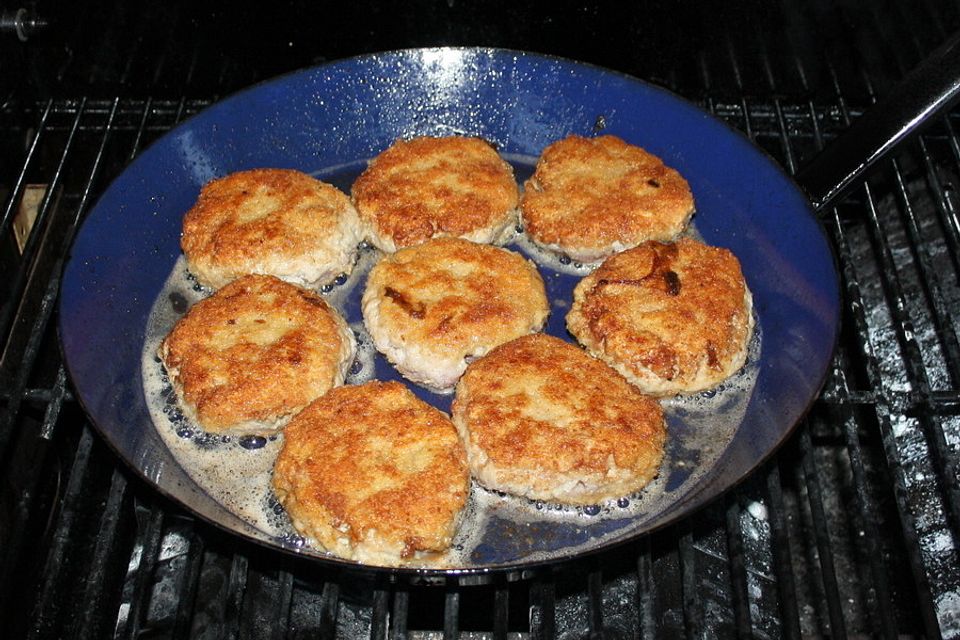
{"points": [[927, 90]]}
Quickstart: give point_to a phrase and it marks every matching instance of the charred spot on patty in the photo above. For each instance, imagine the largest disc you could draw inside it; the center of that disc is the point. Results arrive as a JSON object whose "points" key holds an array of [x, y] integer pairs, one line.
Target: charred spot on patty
{"points": [[417, 310], [672, 280]]}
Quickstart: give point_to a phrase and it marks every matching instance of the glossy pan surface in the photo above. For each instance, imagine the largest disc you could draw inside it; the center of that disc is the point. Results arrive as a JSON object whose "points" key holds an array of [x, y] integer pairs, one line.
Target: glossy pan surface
{"points": [[329, 121]]}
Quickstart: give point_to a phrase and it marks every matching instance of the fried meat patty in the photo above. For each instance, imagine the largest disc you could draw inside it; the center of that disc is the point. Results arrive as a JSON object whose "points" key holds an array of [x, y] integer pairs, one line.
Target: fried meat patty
{"points": [[591, 197], [672, 318], [432, 307], [430, 187], [374, 474], [270, 221], [254, 353], [542, 419]]}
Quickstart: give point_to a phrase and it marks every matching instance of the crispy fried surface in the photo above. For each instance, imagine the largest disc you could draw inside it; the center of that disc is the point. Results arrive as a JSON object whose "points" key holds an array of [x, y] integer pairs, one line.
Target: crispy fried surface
{"points": [[255, 352], [428, 187], [672, 318], [270, 221], [542, 419], [430, 307], [591, 197], [373, 474]]}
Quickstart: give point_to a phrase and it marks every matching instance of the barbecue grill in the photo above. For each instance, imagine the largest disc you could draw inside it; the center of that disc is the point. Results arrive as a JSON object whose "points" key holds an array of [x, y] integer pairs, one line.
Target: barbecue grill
{"points": [[850, 530]]}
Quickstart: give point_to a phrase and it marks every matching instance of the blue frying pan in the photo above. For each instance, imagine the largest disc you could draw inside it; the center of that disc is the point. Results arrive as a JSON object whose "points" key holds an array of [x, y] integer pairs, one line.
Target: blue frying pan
{"points": [[329, 120]]}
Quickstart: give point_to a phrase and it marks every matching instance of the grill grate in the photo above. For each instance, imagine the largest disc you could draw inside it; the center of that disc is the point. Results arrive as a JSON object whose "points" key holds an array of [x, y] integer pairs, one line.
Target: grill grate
{"points": [[820, 541], [852, 529]]}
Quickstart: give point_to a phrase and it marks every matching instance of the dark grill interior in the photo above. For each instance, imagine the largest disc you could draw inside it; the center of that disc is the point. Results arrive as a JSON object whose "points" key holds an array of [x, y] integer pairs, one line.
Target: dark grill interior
{"points": [[851, 529]]}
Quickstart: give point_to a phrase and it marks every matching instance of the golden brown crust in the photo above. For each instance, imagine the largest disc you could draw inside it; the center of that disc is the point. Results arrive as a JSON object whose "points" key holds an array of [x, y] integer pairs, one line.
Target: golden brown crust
{"points": [[673, 318], [431, 307], [255, 352], [374, 474], [270, 221], [591, 197], [429, 187], [542, 419]]}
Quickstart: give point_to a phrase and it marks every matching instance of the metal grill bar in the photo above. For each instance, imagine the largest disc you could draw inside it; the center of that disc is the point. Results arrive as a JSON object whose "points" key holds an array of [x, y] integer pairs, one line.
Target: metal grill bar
{"points": [[932, 290], [190, 576], [738, 570], [950, 209], [692, 613], [401, 605], [824, 549], [381, 606], [945, 215], [45, 605], [451, 615], [668, 616], [18, 526], [543, 624], [328, 610], [867, 525], [595, 601], [107, 543], [146, 554], [216, 593], [790, 616], [713, 572], [501, 613], [16, 193]]}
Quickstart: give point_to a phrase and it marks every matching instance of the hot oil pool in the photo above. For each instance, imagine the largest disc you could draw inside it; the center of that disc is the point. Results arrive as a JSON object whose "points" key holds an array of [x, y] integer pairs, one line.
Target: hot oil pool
{"points": [[236, 471]]}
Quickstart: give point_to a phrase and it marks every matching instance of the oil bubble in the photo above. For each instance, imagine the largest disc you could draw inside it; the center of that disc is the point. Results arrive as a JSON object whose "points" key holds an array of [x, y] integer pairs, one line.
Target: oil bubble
{"points": [[178, 302], [252, 442]]}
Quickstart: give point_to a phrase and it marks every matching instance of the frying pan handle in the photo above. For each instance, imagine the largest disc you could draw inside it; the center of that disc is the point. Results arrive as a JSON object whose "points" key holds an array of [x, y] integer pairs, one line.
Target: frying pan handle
{"points": [[930, 88]]}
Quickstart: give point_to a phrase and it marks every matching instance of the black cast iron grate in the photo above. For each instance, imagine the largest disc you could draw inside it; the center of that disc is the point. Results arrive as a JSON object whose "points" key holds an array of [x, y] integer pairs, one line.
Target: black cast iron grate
{"points": [[852, 529]]}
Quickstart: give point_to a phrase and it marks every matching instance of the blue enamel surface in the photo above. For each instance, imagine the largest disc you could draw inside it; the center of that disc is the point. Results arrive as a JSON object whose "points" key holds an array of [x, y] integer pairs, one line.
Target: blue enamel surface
{"points": [[328, 120]]}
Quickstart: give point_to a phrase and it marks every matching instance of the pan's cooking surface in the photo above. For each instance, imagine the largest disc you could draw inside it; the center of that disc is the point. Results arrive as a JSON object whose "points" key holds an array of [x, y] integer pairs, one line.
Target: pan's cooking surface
{"points": [[846, 531], [327, 121], [495, 530]]}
